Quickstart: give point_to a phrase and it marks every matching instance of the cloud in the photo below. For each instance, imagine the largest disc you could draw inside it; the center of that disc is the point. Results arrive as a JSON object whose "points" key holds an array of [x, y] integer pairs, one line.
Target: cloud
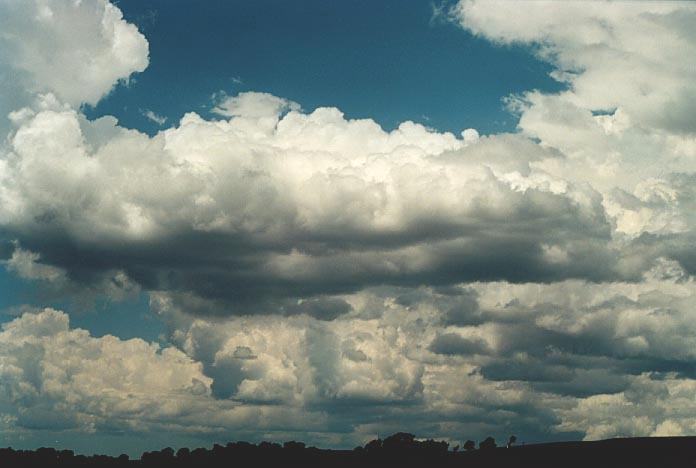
{"points": [[654, 407], [156, 118], [621, 123], [251, 214], [75, 50], [254, 211], [455, 344], [59, 378], [254, 105], [538, 361], [535, 354], [626, 97], [57, 284], [25, 264], [299, 360]]}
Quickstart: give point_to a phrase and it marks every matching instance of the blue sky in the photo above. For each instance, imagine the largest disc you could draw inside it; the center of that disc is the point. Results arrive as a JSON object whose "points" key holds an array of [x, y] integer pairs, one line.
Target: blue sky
{"points": [[322, 221], [390, 61]]}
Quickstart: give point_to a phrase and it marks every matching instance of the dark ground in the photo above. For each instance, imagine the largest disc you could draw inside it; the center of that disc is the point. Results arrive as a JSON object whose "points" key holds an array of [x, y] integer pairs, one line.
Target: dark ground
{"points": [[397, 450]]}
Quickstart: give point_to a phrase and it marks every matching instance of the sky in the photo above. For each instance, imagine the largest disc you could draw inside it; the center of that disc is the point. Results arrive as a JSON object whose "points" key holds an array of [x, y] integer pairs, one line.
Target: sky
{"points": [[331, 221]]}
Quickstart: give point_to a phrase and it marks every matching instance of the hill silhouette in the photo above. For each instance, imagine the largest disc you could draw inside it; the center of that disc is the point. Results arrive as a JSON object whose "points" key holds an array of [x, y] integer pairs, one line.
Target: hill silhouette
{"points": [[401, 449]]}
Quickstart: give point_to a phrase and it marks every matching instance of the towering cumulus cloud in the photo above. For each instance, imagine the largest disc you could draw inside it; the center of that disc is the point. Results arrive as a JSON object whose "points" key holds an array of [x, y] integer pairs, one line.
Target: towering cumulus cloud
{"points": [[322, 277]]}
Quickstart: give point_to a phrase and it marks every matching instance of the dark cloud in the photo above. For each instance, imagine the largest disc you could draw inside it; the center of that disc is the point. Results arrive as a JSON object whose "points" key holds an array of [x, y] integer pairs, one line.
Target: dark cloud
{"points": [[454, 344], [320, 308]]}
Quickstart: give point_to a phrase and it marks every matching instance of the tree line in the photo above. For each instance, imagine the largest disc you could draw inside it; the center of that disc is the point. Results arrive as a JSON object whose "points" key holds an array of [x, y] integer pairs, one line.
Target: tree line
{"points": [[401, 450], [401, 446]]}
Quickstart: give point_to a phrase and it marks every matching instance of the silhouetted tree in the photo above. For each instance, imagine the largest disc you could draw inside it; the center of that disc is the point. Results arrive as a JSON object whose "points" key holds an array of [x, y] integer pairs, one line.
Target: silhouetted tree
{"points": [[167, 453], [373, 445], [218, 450], [399, 441], [487, 444], [511, 441], [469, 445], [292, 445], [269, 446]]}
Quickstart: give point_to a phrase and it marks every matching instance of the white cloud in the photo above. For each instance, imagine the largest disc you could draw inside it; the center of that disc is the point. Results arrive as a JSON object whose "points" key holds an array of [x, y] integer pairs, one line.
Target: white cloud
{"points": [[630, 61], [60, 378], [291, 196], [470, 135], [26, 265], [153, 117], [254, 105], [649, 407], [299, 361], [76, 50]]}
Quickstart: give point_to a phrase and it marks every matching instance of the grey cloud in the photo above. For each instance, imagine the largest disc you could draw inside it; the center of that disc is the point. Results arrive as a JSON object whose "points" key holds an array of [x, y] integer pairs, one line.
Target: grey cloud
{"points": [[320, 308], [455, 344], [464, 311], [355, 355], [527, 371], [227, 374]]}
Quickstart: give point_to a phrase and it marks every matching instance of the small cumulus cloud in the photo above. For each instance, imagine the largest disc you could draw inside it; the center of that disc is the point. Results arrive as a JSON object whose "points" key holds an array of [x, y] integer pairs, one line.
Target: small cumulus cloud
{"points": [[153, 117]]}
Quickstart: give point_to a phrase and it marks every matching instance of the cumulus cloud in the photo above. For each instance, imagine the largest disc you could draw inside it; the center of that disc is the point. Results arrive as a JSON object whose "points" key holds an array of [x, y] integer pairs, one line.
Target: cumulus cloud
{"points": [[254, 105], [655, 407], [627, 95], [60, 378], [601, 50], [538, 360], [253, 211], [622, 366], [622, 123], [531, 357], [75, 50]]}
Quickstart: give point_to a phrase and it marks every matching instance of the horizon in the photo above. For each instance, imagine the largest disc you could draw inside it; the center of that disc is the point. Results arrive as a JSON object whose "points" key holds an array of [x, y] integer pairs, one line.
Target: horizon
{"points": [[293, 444], [315, 221]]}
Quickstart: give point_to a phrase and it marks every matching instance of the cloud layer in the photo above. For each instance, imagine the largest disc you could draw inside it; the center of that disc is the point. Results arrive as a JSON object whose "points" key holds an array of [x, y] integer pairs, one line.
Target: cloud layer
{"points": [[322, 277]]}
